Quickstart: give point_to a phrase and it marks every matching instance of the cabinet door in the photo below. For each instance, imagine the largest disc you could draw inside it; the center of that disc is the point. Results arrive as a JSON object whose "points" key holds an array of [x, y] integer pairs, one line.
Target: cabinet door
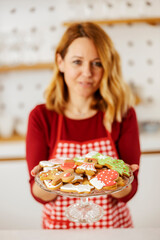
{"points": [[144, 206]]}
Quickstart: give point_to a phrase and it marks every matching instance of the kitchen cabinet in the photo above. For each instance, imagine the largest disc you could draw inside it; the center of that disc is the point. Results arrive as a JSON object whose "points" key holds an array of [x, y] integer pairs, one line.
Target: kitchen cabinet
{"points": [[145, 205], [114, 234], [22, 67]]}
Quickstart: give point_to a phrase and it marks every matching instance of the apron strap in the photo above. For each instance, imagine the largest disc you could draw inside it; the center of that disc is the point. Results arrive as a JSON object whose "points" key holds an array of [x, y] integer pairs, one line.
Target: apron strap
{"points": [[112, 143], [59, 130], [111, 140], [60, 118]]}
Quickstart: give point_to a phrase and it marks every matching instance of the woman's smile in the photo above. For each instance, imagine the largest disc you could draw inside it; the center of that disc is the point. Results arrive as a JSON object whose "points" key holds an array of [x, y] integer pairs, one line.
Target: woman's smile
{"points": [[85, 84]]}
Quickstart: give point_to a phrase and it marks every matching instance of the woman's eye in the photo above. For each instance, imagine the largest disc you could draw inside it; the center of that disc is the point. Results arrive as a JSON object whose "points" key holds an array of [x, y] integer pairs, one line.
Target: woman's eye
{"points": [[78, 62], [97, 64]]}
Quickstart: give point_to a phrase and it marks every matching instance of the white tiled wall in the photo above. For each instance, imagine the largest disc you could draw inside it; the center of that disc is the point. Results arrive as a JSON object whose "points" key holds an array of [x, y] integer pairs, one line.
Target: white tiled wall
{"points": [[29, 32]]}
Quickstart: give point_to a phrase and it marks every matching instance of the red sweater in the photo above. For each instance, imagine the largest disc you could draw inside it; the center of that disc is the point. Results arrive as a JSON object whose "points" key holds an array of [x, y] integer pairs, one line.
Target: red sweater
{"points": [[42, 131]]}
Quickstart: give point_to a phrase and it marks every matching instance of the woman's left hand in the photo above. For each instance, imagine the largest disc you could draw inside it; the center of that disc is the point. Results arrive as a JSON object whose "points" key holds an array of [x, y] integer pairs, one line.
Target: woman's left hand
{"points": [[128, 189], [134, 167]]}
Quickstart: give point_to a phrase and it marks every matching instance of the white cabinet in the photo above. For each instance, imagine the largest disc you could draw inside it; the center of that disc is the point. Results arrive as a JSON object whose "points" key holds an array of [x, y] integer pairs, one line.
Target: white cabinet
{"points": [[18, 210], [145, 204]]}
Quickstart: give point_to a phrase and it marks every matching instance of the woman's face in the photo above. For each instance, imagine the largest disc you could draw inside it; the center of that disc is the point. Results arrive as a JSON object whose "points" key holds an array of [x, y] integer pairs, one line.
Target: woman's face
{"points": [[82, 68]]}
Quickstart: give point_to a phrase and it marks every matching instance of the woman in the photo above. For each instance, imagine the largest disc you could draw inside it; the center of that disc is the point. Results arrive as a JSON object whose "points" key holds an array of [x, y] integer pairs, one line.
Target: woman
{"points": [[88, 108]]}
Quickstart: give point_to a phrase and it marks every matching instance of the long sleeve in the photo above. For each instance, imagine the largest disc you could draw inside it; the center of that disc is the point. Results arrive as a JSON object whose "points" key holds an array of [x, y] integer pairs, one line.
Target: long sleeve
{"points": [[128, 146], [37, 139]]}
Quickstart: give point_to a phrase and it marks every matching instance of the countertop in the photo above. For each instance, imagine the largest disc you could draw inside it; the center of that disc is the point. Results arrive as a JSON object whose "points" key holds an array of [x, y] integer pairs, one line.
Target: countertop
{"points": [[113, 234]]}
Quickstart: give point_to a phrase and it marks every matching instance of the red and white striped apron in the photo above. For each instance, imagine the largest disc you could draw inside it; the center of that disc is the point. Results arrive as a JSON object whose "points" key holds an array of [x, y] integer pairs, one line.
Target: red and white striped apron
{"points": [[116, 214]]}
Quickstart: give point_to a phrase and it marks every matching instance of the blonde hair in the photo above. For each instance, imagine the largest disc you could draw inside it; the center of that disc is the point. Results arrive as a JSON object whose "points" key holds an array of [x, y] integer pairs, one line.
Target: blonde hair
{"points": [[114, 96]]}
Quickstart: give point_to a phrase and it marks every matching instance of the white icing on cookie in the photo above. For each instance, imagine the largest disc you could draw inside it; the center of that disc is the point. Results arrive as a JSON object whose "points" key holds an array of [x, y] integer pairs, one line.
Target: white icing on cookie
{"points": [[49, 185], [77, 177], [46, 169], [97, 183], [87, 166], [105, 178], [89, 177], [52, 162], [102, 157], [58, 160], [81, 188], [46, 164]]}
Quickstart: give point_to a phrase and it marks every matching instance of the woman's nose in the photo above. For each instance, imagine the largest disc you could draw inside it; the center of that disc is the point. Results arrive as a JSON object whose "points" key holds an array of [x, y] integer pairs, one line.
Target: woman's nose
{"points": [[87, 70]]}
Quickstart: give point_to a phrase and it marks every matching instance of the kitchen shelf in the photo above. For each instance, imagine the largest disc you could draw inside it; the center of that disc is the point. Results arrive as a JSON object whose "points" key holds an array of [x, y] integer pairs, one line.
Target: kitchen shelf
{"points": [[13, 159], [18, 142], [22, 67], [14, 138], [151, 21], [24, 158]]}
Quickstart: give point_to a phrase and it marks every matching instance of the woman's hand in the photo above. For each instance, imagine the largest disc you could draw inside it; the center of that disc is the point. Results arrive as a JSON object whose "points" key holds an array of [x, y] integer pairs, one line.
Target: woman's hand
{"points": [[127, 190], [134, 167], [39, 192], [36, 170]]}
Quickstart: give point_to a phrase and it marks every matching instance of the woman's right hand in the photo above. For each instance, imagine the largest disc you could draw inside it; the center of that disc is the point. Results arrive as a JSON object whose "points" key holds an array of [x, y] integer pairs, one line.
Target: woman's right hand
{"points": [[37, 191], [36, 170]]}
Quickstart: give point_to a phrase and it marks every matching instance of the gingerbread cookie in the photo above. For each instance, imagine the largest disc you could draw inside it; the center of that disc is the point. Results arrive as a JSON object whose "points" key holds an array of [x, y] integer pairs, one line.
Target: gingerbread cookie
{"points": [[80, 188], [77, 178], [49, 175], [46, 164], [105, 179], [50, 186], [94, 161], [68, 164], [119, 166], [79, 160], [87, 168], [85, 173], [57, 161], [65, 177]]}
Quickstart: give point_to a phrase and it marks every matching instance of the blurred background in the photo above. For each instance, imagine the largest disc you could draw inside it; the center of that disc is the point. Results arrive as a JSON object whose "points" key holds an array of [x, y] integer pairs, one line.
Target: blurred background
{"points": [[29, 33]]}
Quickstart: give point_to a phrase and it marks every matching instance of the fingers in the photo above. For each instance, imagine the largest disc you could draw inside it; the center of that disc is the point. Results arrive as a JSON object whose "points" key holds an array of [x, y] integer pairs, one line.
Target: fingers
{"points": [[35, 170], [134, 167]]}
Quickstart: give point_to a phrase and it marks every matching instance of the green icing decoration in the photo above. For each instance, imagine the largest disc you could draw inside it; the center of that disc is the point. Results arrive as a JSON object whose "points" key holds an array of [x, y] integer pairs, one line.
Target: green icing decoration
{"points": [[120, 166], [116, 164], [93, 154], [102, 160], [79, 159]]}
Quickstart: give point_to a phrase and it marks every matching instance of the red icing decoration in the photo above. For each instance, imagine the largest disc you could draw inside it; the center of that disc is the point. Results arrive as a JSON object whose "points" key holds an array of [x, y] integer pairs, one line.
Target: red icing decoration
{"points": [[88, 165], [68, 164], [67, 174], [108, 177]]}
